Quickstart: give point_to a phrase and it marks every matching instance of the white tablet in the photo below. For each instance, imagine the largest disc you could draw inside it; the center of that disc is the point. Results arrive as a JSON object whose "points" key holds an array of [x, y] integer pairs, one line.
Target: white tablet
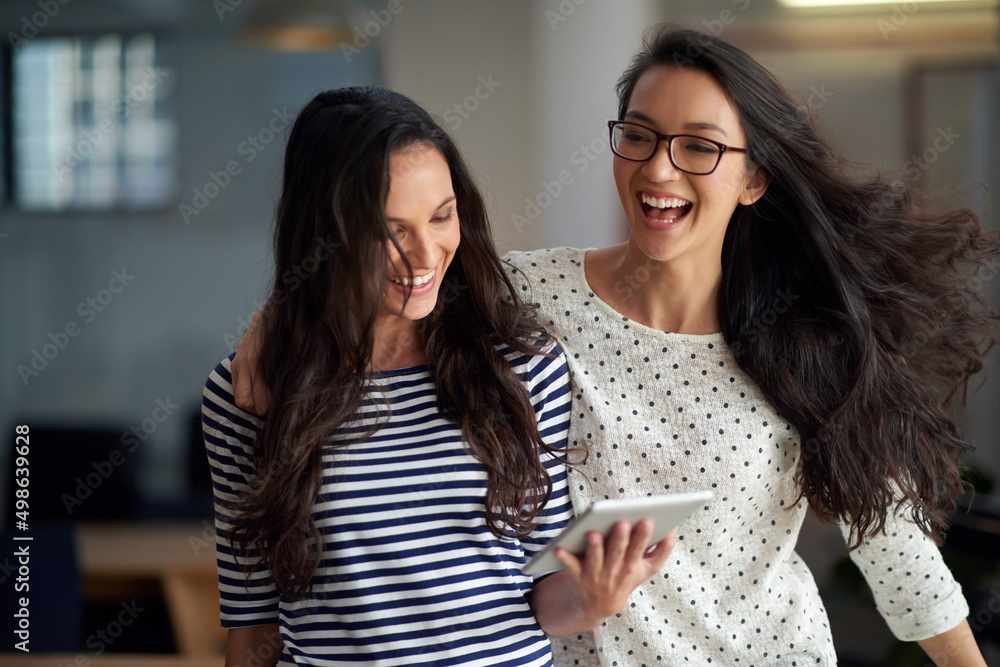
{"points": [[667, 511]]}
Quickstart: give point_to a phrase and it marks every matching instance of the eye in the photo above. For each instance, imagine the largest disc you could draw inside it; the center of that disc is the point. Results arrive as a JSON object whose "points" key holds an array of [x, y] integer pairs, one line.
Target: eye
{"points": [[699, 146], [446, 217], [636, 137]]}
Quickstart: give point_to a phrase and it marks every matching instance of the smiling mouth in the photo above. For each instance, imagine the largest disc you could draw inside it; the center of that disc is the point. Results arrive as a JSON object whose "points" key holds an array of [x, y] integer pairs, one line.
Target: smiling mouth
{"points": [[664, 209], [418, 281], [416, 286]]}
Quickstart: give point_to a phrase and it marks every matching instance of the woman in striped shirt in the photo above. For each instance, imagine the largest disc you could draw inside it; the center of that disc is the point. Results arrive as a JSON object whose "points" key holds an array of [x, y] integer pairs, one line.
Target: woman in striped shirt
{"points": [[410, 461]]}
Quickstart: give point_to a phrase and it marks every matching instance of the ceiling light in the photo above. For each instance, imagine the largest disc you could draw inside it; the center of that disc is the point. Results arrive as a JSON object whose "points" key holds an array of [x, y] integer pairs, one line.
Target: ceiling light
{"points": [[857, 3], [302, 25]]}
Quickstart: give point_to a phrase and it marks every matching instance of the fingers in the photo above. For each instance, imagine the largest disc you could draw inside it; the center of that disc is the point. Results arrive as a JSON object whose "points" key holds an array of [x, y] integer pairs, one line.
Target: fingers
{"points": [[570, 561], [612, 567], [670, 541], [639, 541], [594, 556], [656, 557], [617, 544], [240, 393], [624, 549], [260, 397], [249, 391]]}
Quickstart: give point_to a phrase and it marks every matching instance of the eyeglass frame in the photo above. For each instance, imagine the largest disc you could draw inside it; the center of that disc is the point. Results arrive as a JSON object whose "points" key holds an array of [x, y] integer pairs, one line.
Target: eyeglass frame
{"points": [[669, 138]]}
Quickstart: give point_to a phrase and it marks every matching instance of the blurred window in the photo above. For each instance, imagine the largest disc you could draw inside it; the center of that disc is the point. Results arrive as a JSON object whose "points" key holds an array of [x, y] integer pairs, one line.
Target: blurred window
{"points": [[93, 124], [5, 175]]}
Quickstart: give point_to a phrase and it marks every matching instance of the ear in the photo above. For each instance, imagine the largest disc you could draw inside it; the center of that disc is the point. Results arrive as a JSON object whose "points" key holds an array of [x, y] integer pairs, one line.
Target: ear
{"points": [[755, 186]]}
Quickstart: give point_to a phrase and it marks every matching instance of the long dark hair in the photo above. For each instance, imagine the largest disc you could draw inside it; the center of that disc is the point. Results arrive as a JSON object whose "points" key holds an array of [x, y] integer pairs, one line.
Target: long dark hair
{"points": [[331, 263], [851, 305]]}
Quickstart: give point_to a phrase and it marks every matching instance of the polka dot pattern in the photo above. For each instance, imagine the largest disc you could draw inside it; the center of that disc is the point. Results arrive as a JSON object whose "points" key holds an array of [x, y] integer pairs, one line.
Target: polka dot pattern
{"points": [[662, 413]]}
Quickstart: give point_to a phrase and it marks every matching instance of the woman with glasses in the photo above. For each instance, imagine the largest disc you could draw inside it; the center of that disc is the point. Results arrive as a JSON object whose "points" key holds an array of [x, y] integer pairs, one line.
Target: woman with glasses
{"points": [[781, 332]]}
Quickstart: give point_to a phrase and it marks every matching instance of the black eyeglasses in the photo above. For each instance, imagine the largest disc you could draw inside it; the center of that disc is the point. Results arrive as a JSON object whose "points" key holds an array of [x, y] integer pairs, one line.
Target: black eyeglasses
{"points": [[689, 153]]}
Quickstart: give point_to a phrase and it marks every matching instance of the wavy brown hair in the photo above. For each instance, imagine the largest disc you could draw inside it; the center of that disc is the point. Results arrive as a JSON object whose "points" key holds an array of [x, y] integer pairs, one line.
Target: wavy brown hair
{"points": [[316, 337], [848, 302]]}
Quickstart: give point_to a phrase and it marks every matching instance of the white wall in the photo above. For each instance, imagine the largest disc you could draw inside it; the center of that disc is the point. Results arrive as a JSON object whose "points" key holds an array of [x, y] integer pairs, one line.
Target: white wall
{"points": [[578, 58], [557, 62], [441, 55]]}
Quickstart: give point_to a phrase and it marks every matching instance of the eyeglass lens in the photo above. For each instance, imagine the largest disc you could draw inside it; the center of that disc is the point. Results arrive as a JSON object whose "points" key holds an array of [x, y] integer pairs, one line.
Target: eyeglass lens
{"points": [[691, 154]]}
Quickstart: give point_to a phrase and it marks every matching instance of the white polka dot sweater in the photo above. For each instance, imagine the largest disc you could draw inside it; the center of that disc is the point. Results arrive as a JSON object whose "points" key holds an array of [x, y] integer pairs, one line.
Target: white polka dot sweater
{"points": [[662, 413]]}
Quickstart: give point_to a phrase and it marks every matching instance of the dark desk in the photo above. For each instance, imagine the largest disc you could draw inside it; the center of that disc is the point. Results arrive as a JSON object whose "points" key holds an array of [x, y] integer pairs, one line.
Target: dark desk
{"points": [[121, 561]]}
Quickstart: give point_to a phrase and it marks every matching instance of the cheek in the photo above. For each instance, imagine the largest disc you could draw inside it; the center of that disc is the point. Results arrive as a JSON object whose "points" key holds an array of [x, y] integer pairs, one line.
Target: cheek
{"points": [[394, 258], [453, 239], [449, 243], [727, 190]]}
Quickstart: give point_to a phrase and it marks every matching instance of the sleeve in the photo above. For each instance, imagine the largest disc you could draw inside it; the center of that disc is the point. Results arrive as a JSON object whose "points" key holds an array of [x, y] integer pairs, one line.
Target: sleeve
{"points": [[548, 385], [229, 434], [914, 590]]}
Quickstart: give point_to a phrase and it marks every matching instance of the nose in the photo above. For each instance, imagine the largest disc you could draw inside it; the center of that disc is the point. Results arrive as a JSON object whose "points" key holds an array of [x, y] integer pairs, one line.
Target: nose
{"points": [[419, 247], [660, 167]]}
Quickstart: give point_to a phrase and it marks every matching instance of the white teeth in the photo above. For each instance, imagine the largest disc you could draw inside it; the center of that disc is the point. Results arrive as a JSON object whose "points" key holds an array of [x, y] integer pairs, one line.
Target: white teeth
{"points": [[663, 202], [416, 282]]}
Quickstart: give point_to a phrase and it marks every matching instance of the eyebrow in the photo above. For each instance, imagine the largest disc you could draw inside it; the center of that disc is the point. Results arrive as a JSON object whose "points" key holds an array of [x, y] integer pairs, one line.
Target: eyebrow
{"points": [[705, 126], [439, 207], [687, 126]]}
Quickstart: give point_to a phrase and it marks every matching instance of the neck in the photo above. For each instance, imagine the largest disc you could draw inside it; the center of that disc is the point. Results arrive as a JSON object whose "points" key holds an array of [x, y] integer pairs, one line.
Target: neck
{"points": [[397, 344], [679, 296]]}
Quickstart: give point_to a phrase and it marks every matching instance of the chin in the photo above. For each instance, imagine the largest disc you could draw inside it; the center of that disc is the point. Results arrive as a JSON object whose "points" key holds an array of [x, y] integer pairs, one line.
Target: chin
{"points": [[418, 313], [657, 248]]}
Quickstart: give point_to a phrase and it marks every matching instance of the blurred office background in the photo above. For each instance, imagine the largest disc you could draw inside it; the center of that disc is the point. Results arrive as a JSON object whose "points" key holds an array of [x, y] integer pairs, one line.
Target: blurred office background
{"points": [[141, 151]]}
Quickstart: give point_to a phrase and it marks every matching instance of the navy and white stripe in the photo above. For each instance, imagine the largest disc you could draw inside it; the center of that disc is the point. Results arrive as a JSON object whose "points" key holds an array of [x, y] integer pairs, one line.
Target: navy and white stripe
{"points": [[409, 572]]}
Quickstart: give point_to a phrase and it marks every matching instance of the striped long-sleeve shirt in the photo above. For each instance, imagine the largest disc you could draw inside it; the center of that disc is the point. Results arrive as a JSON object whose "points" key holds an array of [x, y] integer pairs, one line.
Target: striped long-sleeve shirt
{"points": [[409, 572]]}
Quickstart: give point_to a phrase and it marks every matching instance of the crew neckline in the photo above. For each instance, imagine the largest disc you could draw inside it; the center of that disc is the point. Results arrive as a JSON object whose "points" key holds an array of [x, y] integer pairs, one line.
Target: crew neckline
{"points": [[398, 372], [714, 338]]}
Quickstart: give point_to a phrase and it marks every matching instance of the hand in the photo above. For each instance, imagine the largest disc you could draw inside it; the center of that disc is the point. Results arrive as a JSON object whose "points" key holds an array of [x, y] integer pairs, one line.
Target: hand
{"points": [[249, 390], [612, 568]]}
